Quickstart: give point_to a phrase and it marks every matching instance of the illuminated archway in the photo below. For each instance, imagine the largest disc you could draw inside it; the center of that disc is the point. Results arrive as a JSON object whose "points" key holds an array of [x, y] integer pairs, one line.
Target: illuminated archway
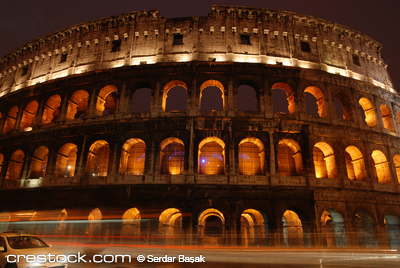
{"points": [[169, 105], [29, 115], [355, 164], [170, 224], [11, 117], [381, 167], [396, 160], [39, 163], [251, 157], [133, 155], [131, 222], [94, 218], [77, 104], [324, 161], [290, 162], [66, 160], [387, 118], [292, 229], [211, 227], [254, 228], [106, 101], [51, 109], [289, 93], [172, 156], [333, 229], [1, 161], [97, 161], [212, 156], [320, 99], [15, 165], [211, 83], [369, 111]]}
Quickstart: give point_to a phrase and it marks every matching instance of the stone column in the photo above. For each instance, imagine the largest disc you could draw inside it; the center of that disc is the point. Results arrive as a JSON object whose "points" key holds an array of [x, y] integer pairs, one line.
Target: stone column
{"points": [[122, 104], [191, 148], [229, 103], [272, 152], [64, 108], [194, 107], [39, 114], [155, 100], [81, 159], [91, 109], [19, 116], [112, 163]]}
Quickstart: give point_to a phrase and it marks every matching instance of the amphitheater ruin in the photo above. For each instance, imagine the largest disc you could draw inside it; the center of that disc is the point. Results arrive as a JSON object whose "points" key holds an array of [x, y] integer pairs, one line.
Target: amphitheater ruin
{"points": [[248, 127]]}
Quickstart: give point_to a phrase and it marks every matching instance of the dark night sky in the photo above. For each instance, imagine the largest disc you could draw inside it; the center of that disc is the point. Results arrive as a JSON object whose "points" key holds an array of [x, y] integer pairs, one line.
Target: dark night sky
{"points": [[25, 20]]}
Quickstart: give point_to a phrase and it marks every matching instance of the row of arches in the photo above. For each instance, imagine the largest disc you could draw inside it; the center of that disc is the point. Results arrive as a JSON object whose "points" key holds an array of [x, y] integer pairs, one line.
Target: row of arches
{"points": [[175, 98], [211, 159], [361, 231]]}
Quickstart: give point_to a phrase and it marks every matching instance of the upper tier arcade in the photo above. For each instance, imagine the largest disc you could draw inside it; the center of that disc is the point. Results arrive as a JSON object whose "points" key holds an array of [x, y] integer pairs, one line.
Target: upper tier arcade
{"points": [[227, 34]]}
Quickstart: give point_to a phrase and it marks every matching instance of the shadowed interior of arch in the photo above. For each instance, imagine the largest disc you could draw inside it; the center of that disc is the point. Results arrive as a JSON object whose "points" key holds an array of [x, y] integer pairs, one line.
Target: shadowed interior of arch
{"points": [[176, 99], [311, 104], [141, 100], [211, 99], [246, 98]]}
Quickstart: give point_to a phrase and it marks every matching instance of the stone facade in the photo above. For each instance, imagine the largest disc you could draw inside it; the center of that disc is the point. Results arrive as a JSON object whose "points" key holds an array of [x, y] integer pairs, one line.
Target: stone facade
{"points": [[70, 135]]}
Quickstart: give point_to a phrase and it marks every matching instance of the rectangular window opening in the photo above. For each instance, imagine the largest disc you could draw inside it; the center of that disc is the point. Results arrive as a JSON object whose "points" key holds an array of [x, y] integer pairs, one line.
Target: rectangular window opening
{"points": [[25, 70], [356, 60], [305, 46], [245, 39], [178, 39], [63, 57], [116, 46]]}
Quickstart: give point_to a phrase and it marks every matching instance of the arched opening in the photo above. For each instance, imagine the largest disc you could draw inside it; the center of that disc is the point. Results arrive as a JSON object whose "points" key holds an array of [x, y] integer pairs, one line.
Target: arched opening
{"points": [[15, 165], [343, 107], [365, 229], [172, 156], [77, 104], [333, 229], [39, 163], [315, 101], [289, 158], [131, 222], [279, 102], [387, 118], [212, 96], [324, 161], [97, 161], [396, 160], [369, 112], [133, 155], [254, 228], [355, 164], [106, 101], [66, 160], [141, 100], [94, 227], [11, 117], [381, 167], [212, 156], [292, 229], [392, 225], [170, 225], [251, 157], [247, 99], [211, 227], [51, 109], [29, 115], [175, 96]]}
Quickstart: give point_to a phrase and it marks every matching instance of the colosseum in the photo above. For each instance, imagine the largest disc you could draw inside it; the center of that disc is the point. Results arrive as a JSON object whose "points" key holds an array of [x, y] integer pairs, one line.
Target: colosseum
{"points": [[247, 127]]}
